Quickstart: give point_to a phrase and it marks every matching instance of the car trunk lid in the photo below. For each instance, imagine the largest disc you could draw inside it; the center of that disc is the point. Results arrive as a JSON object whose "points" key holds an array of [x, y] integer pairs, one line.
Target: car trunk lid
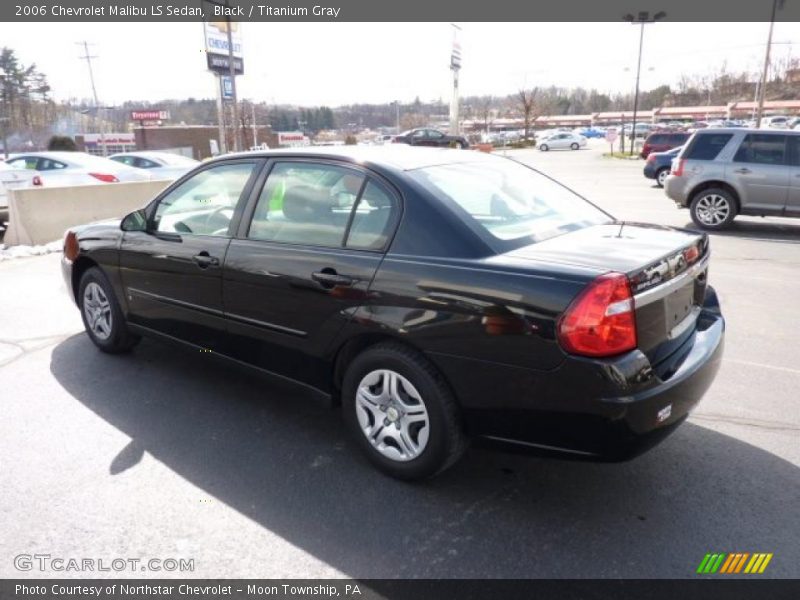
{"points": [[666, 268]]}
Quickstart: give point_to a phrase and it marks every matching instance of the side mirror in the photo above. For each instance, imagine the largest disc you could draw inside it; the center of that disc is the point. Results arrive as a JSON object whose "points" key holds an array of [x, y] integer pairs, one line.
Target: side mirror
{"points": [[135, 221]]}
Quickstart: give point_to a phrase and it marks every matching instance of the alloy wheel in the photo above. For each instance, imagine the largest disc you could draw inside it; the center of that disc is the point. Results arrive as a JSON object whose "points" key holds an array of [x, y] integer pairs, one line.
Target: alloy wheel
{"points": [[392, 415], [662, 176], [713, 209]]}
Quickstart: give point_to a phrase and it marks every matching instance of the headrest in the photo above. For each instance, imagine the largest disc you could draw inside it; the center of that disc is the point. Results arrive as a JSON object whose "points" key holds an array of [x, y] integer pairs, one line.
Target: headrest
{"points": [[305, 203]]}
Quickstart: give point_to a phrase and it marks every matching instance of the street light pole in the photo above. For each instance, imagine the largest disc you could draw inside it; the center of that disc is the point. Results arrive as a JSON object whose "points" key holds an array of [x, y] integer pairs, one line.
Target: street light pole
{"points": [[642, 19]]}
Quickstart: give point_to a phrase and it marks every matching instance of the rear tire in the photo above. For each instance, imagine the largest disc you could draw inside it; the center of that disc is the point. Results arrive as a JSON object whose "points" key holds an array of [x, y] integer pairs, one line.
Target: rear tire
{"points": [[661, 176], [402, 413], [713, 209], [101, 314], [544, 148]]}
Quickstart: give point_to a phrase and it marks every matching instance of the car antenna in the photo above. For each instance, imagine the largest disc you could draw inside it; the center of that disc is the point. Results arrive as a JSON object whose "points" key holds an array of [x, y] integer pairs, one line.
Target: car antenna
{"points": [[621, 225]]}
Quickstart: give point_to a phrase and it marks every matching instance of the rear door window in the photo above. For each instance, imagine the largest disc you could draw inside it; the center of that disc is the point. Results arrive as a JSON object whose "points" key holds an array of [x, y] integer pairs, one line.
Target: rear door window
{"points": [[657, 139], [763, 149], [708, 146]]}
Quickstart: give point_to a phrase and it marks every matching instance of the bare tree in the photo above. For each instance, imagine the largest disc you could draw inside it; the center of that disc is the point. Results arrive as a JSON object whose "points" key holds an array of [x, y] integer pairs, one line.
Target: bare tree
{"points": [[486, 109], [527, 102]]}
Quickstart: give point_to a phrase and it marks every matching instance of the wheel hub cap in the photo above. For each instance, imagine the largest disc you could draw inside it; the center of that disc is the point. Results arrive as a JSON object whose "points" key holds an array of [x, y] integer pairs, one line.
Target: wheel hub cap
{"points": [[97, 310], [392, 415]]}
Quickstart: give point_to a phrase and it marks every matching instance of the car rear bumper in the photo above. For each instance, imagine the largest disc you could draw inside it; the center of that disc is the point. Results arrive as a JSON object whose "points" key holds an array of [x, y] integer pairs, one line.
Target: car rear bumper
{"points": [[676, 190], [610, 409]]}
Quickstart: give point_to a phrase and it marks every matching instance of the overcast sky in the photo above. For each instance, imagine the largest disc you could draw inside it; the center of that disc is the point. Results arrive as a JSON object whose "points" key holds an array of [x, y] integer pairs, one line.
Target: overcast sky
{"points": [[341, 63]]}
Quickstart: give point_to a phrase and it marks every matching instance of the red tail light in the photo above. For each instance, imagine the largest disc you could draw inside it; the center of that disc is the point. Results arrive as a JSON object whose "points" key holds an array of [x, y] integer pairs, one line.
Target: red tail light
{"points": [[70, 246], [601, 320], [36, 180], [105, 177], [651, 158], [677, 167]]}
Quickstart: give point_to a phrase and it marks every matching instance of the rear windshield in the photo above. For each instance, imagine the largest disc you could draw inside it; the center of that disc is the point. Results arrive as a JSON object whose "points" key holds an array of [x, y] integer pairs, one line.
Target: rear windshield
{"points": [[707, 146], [678, 138], [508, 200], [657, 138]]}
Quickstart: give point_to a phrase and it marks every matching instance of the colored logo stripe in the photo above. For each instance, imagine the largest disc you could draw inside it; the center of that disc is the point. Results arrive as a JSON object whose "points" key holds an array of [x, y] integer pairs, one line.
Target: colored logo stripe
{"points": [[734, 563]]}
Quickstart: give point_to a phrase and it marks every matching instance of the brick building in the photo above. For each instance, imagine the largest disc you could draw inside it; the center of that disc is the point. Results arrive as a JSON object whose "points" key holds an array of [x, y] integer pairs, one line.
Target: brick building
{"points": [[194, 140]]}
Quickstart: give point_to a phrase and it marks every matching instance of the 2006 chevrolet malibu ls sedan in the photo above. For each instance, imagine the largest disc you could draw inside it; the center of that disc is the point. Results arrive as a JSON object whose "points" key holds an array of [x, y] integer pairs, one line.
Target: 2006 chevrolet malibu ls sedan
{"points": [[438, 295]]}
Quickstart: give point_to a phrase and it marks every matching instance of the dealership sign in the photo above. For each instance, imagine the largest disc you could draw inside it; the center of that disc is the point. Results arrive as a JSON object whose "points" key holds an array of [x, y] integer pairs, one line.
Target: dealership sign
{"points": [[149, 115], [292, 138], [217, 47]]}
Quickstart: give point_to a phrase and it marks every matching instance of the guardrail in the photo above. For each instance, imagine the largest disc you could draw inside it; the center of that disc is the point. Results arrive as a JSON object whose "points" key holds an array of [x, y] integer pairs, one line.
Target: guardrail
{"points": [[41, 215]]}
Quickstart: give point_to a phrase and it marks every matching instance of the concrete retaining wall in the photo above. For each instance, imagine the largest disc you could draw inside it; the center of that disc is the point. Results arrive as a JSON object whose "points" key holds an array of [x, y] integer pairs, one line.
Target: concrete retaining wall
{"points": [[41, 215]]}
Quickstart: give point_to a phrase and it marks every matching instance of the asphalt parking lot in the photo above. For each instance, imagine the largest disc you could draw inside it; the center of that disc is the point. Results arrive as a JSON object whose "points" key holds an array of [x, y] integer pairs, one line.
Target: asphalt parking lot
{"points": [[161, 454]]}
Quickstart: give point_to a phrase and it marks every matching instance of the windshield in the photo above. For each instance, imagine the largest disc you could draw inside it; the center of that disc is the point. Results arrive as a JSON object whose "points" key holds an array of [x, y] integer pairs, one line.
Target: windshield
{"points": [[509, 200]]}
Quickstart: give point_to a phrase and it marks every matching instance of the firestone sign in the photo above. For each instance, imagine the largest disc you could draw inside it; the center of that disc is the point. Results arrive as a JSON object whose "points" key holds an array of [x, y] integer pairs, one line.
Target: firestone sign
{"points": [[149, 115]]}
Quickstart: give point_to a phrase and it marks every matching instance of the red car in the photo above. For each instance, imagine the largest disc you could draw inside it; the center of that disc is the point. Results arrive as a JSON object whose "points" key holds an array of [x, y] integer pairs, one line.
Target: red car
{"points": [[663, 141]]}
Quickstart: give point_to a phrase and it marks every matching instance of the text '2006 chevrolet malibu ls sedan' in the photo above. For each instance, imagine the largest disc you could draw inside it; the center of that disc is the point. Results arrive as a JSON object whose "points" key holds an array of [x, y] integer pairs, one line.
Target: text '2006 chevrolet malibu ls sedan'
{"points": [[438, 295]]}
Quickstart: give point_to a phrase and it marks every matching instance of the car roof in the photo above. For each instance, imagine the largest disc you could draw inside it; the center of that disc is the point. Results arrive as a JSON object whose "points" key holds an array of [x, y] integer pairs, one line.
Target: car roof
{"points": [[399, 157], [747, 130]]}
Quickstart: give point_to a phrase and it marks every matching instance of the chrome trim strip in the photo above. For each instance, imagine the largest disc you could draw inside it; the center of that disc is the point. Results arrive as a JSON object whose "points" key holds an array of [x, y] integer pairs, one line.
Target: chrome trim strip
{"points": [[217, 313], [181, 303], [665, 289], [266, 325]]}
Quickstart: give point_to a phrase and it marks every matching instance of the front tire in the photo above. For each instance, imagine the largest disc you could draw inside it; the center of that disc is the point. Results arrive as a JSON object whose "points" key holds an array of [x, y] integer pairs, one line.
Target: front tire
{"points": [[544, 148], [713, 209], [661, 176], [402, 413], [101, 314], [574, 146]]}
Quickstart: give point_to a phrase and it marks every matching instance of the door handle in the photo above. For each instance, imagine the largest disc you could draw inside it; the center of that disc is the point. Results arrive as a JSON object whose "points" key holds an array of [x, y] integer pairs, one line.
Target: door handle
{"points": [[329, 278], [204, 260], [743, 170]]}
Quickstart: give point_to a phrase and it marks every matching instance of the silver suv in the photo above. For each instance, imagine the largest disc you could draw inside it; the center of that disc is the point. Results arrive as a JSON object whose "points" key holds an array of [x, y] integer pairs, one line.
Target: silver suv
{"points": [[721, 173]]}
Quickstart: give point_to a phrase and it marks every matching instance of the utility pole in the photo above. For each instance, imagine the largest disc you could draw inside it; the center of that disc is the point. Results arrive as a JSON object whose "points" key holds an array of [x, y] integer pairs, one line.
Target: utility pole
{"points": [[5, 118], [237, 131], [222, 146], [763, 83], [88, 60], [455, 67], [255, 129]]}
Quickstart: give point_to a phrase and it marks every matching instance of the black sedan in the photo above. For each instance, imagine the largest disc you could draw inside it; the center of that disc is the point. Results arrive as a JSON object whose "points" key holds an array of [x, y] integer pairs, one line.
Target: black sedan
{"points": [[436, 295], [431, 137], [658, 165]]}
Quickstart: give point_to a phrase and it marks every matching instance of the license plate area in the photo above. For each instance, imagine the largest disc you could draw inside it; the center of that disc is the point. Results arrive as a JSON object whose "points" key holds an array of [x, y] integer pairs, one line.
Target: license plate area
{"points": [[678, 307]]}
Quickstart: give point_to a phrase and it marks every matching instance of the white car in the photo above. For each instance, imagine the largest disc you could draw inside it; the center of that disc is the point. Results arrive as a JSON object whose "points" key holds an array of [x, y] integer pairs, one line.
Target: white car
{"points": [[75, 168], [160, 165], [14, 179], [562, 141]]}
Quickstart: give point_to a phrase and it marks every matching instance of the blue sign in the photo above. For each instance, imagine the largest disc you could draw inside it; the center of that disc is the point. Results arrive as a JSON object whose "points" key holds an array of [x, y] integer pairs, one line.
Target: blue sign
{"points": [[227, 87]]}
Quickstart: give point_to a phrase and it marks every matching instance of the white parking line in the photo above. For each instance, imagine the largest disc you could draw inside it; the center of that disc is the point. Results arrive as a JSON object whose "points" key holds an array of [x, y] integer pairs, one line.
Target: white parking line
{"points": [[762, 365]]}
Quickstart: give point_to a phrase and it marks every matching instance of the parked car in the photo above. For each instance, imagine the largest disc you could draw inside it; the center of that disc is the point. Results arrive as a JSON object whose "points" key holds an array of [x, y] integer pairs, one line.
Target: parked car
{"points": [[662, 141], [76, 168], [591, 132], [642, 130], [437, 295], [12, 179], [431, 137], [721, 173], [160, 165], [562, 141], [658, 165], [775, 122]]}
